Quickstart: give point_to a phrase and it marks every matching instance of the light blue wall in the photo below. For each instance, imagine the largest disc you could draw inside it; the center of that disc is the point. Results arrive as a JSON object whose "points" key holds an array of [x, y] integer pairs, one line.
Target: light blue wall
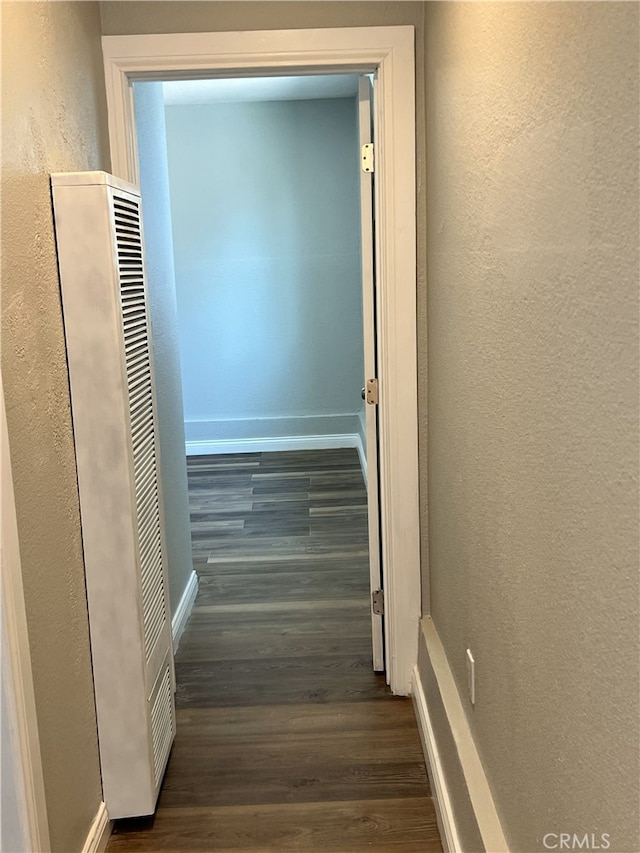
{"points": [[265, 210], [154, 185]]}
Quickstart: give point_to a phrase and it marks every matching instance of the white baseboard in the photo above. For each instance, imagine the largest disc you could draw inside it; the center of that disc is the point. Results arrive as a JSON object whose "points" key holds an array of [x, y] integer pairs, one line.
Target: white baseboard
{"points": [[450, 746], [264, 445], [183, 611], [100, 831], [444, 811]]}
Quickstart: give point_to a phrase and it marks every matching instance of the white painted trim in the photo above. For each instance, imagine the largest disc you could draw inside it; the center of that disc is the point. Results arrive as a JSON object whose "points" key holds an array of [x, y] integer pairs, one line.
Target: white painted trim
{"points": [[368, 414], [442, 800], [264, 445], [183, 610], [18, 677], [389, 53], [475, 778], [362, 456], [100, 831], [241, 429]]}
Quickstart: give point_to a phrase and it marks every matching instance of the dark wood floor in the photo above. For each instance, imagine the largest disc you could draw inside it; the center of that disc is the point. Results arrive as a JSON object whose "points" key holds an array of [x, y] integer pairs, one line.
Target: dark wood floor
{"points": [[286, 738]]}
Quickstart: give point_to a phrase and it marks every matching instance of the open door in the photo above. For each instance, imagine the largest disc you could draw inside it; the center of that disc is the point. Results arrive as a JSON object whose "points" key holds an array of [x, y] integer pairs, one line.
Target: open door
{"points": [[369, 393]]}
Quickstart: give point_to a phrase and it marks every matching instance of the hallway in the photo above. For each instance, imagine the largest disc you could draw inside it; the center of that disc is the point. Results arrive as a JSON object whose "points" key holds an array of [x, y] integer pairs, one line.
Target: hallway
{"points": [[286, 738]]}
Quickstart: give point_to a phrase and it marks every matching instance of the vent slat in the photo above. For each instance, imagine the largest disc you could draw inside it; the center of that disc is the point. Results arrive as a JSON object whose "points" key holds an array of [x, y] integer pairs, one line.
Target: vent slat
{"points": [[152, 565], [136, 339], [148, 547], [143, 451], [138, 383], [139, 403], [140, 420], [138, 357]]}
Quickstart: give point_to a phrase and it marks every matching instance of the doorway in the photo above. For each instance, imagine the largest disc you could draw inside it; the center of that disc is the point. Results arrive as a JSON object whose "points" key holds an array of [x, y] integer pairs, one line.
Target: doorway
{"points": [[265, 188], [388, 52]]}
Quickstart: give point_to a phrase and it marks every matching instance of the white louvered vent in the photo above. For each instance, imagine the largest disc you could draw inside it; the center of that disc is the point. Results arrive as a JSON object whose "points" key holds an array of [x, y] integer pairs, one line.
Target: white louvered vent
{"points": [[135, 324], [162, 724], [107, 329]]}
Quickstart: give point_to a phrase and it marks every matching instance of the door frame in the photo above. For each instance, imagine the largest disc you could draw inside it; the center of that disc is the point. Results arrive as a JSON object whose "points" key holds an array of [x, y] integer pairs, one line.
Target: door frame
{"points": [[389, 53]]}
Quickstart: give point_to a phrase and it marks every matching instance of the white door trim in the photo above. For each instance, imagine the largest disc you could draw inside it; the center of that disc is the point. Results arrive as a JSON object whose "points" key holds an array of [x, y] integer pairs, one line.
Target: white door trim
{"points": [[16, 668], [389, 52]]}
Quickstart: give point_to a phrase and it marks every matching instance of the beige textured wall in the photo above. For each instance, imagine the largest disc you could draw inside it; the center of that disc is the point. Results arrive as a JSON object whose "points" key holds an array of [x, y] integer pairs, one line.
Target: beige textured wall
{"points": [[189, 16], [532, 139], [53, 119]]}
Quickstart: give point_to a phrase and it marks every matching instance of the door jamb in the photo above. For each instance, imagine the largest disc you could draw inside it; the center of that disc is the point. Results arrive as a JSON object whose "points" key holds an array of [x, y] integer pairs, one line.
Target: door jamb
{"points": [[388, 52]]}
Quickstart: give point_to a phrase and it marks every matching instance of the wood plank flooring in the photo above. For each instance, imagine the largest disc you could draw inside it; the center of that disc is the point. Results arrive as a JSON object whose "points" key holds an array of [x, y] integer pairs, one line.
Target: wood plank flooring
{"points": [[287, 740]]}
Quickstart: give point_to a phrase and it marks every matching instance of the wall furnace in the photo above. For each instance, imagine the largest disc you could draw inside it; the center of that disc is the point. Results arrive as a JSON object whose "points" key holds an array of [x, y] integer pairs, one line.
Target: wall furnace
{"points": [[102, 278]]}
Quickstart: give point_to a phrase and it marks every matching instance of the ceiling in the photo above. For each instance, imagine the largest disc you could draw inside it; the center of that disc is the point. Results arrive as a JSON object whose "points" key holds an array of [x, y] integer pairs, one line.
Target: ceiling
{"points": [[184, 92]]}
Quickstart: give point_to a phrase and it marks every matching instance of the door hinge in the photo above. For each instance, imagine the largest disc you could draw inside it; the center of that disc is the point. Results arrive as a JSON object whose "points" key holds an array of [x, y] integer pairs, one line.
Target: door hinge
{"points": [[372, 392], [367, 157], [377, 602]]}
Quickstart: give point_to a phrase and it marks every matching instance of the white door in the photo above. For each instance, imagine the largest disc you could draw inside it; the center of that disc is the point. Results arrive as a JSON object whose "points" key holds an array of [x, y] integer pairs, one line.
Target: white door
{"points": [[370, 370]]}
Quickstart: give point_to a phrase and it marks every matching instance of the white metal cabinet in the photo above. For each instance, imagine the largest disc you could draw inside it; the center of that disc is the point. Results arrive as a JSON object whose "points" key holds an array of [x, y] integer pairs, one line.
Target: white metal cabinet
{"points": [[106, 319]]}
